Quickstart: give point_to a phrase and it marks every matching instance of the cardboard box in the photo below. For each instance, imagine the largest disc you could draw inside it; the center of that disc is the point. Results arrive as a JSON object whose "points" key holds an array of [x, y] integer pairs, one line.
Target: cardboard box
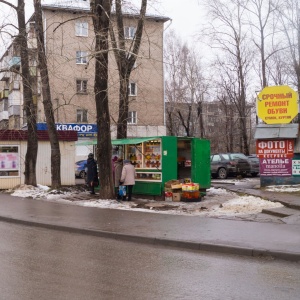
{"points": [[169, 183], [176, 197], [176, 186]]}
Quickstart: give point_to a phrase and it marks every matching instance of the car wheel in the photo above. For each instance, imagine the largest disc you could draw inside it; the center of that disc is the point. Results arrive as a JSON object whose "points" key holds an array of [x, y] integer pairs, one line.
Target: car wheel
{"points": [[254, 174], [222, 173], [82, 174]]}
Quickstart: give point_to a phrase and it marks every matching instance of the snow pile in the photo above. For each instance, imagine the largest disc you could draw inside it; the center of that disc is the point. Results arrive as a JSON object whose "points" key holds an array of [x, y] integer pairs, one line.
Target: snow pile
{"points": [[283, 188], [218, 202], [242, 205]]}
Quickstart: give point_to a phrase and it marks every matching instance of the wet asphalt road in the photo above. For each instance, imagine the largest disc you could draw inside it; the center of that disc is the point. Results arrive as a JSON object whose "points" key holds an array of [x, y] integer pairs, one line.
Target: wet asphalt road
{"points": [[46, 264]]}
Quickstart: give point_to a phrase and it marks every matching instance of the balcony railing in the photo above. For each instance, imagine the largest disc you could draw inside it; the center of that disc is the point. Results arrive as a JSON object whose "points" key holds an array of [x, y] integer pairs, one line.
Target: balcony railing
{"points": [[14, 110], [3, 115], [14, 85]]}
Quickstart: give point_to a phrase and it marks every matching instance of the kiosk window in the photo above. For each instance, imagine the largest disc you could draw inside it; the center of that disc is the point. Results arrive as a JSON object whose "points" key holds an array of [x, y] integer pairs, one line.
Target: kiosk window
{"points": [[9, 161]]}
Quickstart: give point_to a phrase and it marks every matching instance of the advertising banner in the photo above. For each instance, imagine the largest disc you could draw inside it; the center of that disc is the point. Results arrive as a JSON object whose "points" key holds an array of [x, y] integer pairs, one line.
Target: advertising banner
{"points": [[277, 104], [296, 167], [9, 161], [275, 149], [276, 167]]}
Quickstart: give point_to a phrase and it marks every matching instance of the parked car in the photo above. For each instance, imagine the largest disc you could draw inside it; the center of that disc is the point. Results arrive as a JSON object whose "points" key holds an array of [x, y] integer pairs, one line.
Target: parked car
{"points": [[80, 168], [254, 165], [229, 164]]}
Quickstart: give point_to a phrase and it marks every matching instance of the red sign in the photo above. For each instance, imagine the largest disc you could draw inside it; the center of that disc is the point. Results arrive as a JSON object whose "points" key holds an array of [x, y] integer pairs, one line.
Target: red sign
{"points": [[275, 149]]}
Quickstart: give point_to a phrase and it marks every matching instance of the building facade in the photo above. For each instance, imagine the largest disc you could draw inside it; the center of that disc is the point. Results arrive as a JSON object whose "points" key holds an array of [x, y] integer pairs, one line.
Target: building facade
{"points": [[69, 44]]}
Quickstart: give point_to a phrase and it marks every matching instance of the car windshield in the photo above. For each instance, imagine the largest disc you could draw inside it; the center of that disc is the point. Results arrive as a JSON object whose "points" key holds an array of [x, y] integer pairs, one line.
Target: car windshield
{"points": [[238, 156]]}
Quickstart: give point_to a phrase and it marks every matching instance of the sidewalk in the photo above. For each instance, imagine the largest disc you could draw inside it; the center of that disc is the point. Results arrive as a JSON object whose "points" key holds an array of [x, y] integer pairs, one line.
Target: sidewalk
{"points": [[280, 241]]}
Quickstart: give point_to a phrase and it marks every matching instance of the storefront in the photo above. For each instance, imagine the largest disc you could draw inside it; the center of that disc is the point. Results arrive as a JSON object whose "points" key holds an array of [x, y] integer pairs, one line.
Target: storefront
{"points": [[160, 159]]}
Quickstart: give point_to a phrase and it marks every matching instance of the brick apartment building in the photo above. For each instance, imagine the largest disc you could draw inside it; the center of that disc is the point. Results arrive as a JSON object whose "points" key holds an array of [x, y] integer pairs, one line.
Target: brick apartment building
{"points": [[69, 43]]}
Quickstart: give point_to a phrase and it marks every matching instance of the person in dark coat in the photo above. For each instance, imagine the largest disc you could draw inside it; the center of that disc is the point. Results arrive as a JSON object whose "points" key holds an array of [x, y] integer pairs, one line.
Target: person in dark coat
{"points": [[92, 173]]}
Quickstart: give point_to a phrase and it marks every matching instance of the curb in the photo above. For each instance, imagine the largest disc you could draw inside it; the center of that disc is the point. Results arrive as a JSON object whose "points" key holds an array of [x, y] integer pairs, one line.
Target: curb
{"points": [[207, 247]]}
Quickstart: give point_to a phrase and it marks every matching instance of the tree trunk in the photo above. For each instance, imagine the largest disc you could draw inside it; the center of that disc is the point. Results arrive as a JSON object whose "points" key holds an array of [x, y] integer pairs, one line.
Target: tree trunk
{"points": [[30, 111], [43, 67], [125, 59], [101, 10]]}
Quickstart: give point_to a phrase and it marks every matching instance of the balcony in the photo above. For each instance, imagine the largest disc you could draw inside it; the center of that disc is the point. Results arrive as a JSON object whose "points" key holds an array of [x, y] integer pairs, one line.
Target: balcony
{"points": [[4, 94], [15, 62], [14, 110], [14, 85], [3, 115]]}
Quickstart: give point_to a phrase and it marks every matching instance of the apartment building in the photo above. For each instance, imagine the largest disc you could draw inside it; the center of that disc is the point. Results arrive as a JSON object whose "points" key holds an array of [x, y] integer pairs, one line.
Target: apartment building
{"points": [[69, 43]]}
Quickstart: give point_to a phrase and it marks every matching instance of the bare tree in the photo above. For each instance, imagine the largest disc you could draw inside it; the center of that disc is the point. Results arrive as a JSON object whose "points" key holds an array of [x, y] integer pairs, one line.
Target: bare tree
{"points": [[101, 11], [43, 67], [230, 36], [263, 31], [32, 141], [125, 56]]}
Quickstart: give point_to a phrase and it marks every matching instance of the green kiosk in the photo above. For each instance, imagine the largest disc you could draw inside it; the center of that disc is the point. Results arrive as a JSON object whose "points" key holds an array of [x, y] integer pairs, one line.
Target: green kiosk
{"points": [[162, 158]]}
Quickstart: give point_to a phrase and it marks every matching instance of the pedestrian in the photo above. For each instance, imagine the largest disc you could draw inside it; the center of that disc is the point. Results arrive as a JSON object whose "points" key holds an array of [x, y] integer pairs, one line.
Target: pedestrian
{"points": [[118, 165], [92, 173], [128, 178]]}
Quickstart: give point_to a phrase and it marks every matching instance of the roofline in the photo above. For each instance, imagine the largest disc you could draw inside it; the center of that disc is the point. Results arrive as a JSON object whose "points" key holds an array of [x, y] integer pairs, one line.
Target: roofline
{"points": [[87, 11]]}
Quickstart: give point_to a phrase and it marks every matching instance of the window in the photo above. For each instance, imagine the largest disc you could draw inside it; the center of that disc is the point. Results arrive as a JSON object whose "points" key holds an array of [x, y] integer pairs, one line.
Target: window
{"points": [[81, 57], [5, 104], [81, 115], [81, 86], [81, 28], [131, 117], [132, 89], [129, 32], [9, 160]]}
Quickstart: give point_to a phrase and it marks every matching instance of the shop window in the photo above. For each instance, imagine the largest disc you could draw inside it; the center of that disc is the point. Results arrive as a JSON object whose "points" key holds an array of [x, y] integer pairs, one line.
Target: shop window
{"points": [[81, 57], [9, 161], [81, 28], [131, 117], [129, 32], [81, 86], [81, 115]]}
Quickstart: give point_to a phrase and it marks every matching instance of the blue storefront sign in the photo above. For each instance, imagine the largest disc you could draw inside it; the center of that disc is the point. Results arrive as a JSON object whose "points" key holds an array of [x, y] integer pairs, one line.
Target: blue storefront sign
{"points": [[84, 130]]}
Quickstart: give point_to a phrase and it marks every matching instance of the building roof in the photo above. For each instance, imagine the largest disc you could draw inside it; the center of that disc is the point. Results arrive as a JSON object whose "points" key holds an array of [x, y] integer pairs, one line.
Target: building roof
{"points": [[22, 135], [84, 6], [265, 131]]}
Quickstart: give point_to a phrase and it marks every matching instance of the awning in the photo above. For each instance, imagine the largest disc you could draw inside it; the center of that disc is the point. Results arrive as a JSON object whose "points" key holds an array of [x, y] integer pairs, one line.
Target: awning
{"points": [[129, 141], [132, 141], [285, 131]]}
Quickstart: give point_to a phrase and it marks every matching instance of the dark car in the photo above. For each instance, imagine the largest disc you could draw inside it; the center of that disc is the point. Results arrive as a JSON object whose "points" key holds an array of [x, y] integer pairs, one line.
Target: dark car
{"points": [[229, 164], [254, 165], [80, 168]]}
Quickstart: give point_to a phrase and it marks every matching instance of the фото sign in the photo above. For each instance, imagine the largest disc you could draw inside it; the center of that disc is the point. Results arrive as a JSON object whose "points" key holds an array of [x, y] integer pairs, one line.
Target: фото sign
{"points": [[276, 167], [277, 104], [275, 149]]}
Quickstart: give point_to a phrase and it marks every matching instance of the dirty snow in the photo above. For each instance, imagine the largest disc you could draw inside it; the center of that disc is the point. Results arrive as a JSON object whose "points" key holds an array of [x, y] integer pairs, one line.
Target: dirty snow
{"points": [[217, 203], [283, 188]]}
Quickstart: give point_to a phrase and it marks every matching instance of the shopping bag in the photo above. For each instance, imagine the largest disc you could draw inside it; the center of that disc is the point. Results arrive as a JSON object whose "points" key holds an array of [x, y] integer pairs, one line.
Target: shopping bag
{"points": [[122, 190]]}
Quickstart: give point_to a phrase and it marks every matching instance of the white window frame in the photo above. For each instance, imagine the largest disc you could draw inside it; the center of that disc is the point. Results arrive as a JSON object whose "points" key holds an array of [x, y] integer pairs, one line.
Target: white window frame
{"points": [[81, 57], [129, 32], [132, 117], [132, 89], [81, 86], [81, 115], [82, 28]]}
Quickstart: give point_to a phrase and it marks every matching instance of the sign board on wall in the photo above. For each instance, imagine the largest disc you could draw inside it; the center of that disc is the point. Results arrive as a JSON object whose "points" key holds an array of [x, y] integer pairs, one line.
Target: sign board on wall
{"points": [[276, 167], [277, 104], [275, 148], [296, 167]]}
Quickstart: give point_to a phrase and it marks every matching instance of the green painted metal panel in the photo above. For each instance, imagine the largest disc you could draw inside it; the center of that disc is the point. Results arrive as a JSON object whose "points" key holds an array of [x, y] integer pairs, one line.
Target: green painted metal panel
{"points": [[169, 158], [201, 162], [132, 141], [147, 188]]}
